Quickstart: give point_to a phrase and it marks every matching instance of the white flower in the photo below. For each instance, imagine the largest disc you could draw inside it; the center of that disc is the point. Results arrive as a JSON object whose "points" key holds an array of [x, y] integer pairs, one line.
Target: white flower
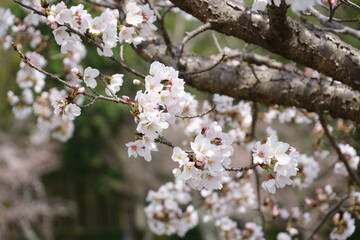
{"points": [[71, 111], [261, 153], [89, 77], [351, 156], [116, 81], [179, 156], [61, 35], [269, 186], [283, 236]]}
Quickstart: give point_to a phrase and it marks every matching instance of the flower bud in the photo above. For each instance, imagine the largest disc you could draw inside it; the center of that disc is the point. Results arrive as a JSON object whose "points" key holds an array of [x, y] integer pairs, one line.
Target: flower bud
{"points": [[75, 71], [137, 82]]}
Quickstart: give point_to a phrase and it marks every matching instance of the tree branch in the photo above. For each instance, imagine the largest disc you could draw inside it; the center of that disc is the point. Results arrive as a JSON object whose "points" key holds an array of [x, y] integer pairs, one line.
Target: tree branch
{"points": [[275, 87], [320, 51]]}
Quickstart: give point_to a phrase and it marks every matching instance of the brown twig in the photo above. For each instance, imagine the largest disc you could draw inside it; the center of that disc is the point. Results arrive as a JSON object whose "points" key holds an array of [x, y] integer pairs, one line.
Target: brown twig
{"points": [[187, 38], [31, 8], [242, 169], [206, 69], [161, 139], [199, 115], [100, 4]]}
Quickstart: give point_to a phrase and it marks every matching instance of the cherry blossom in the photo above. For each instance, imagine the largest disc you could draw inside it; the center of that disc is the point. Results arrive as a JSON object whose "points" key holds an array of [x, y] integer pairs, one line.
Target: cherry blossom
{"points": [[344, 226], [279, 160], [164, 212]]}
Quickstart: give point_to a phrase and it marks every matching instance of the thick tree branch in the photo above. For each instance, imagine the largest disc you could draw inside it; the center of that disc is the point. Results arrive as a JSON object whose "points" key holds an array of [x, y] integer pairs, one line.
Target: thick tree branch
{"points": [[320, 51], [274, 87]]}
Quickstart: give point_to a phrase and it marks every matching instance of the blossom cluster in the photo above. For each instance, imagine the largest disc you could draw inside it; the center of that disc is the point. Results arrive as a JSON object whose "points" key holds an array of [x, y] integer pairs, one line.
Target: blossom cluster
{"points": [[23, 200], [354, 207], [55, 115], [279, 160], [323, 196], [237, 117], [236, 197], [308, 171], [139, 24], [286, 115], [344, 226], [229, 230], [205, 166], [156, 108], [7, 19], [351, 156], [165, 214], [28, 77]]}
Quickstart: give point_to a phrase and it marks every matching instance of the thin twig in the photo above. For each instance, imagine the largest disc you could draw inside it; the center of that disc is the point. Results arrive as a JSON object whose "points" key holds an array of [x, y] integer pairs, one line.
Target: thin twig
{"points": [[337, 149], [188, 37], [206, 69], [100, 4], [350, 4], [242, 169], [199, 115], [31, 8], [216, 41], [161, 139], [331, 211]]}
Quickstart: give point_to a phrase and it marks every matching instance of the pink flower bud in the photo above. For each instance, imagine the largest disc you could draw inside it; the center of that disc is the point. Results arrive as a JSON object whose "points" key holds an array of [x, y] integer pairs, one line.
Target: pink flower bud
{"points": [[75, 71], [127, 99], [203, 129], [137, 82], [81, 90], [200, 163], [326, 2]]}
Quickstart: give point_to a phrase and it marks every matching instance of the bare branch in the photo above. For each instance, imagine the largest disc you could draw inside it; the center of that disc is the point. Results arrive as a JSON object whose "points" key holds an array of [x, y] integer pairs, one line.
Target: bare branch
{"points": [[242, 169], [187, 38], [350, 4], [276, 87], [206, 69], [333, 26], [320, 51], [199, 115]]}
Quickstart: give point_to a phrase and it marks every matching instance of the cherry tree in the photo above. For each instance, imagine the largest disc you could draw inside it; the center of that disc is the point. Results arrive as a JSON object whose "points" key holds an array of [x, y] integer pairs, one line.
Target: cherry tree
{"points": [[316, 85]]}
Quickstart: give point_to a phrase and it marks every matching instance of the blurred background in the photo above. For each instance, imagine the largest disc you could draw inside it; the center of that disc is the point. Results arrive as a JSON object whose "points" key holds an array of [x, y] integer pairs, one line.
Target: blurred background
{"points": [[95, 191]]}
